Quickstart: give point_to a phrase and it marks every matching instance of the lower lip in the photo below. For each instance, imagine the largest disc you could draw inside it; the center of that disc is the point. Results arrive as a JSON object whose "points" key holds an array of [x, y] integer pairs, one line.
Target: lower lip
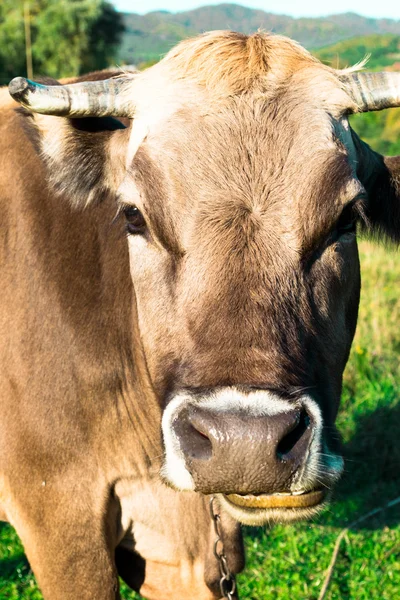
{"points": [[264, 501]]}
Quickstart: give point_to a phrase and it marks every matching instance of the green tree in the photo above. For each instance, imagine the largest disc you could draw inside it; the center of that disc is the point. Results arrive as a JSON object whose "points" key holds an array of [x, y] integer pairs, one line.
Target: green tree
{"points": [[68, 36], [60, 32], [12, 40], [105, 35]]}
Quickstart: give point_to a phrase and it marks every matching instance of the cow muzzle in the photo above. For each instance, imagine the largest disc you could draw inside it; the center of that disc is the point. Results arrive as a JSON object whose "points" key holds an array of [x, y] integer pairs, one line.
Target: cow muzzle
{"points": [[260, 452]]}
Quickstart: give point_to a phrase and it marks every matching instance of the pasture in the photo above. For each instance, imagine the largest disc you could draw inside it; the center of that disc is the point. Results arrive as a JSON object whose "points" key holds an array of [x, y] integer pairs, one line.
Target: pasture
{"points": [[289, 562]]}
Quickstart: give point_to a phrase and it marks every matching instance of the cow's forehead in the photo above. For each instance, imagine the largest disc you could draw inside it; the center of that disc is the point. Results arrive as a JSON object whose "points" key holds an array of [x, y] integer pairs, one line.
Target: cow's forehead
{"points": [[206, 73], [249, 149]]}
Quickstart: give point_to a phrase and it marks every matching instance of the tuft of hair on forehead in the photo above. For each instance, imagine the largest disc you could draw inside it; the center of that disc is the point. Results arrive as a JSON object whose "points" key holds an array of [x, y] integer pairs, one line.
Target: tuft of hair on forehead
{"points": [[228, 62]]}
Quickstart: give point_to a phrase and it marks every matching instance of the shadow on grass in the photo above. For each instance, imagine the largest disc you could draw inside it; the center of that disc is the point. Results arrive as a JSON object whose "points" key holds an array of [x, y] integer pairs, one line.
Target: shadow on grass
{"points": [[372, 468]]}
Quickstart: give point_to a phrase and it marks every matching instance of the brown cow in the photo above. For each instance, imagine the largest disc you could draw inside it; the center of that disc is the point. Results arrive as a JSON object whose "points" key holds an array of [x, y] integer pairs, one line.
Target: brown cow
{"points": [[218, 362]]}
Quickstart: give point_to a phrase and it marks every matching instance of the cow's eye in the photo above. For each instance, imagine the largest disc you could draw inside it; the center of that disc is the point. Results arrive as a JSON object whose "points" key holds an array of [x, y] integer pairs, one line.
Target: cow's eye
{"points": [[135, 222], [347, 221]]}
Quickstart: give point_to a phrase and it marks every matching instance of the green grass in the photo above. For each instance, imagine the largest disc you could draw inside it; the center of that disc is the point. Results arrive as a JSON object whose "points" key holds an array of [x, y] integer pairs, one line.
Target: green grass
{"points": [[289, 562]]}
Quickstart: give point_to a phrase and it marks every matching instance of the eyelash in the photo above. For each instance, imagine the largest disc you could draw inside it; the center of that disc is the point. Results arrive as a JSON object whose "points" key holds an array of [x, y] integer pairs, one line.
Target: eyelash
{"points": [[135, 222]]}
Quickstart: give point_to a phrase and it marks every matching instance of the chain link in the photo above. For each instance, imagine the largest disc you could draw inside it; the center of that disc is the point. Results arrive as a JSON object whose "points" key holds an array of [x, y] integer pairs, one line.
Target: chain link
{"points": [[227, 582]]}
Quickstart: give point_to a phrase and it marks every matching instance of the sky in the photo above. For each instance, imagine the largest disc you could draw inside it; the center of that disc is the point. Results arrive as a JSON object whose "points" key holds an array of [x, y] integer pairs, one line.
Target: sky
{"points": [[296, 8]]}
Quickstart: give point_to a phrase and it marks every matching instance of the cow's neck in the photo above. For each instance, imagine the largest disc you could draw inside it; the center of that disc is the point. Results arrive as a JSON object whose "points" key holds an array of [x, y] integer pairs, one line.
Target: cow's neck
{"points": [[81, 274]]}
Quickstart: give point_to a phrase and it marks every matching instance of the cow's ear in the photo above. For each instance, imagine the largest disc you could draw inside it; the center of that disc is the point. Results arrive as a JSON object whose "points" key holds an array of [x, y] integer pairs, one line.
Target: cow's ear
{"points": [[81, 131], [380, 176], [84, 157], [384, 200]]}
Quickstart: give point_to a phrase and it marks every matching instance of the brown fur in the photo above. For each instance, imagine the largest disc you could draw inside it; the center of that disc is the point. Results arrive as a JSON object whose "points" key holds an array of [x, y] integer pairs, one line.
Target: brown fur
{"points": [[239, 279], [227, 62], [76, 397]]}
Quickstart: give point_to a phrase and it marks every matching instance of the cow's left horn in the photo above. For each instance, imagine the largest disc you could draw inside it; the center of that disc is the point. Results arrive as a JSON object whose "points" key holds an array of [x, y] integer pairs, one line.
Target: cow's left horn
{"points": [[109, 97], [373, 91]]}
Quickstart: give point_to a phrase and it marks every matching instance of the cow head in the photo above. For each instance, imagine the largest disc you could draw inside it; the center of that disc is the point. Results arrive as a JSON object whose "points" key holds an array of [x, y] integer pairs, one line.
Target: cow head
{"points": [[242, 186]]}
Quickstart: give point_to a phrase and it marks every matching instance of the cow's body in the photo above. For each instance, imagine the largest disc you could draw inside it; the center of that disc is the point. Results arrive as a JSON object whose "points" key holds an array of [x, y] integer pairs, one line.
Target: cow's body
{"points": [[90, 363]]}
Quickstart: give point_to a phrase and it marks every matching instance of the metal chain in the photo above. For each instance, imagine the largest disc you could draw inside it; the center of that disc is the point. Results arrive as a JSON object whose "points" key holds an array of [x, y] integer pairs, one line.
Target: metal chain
{"points": [[227, 583]]}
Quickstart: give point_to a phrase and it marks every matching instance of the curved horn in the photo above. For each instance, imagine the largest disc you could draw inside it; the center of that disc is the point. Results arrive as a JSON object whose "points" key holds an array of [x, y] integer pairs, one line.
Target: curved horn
{"points": [[373, 91], [107, 98]]}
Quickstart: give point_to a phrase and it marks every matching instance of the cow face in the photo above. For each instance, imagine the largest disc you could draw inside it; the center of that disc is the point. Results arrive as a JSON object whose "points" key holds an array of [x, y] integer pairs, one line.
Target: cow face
{"points": [[247, 289], [241, 189]]}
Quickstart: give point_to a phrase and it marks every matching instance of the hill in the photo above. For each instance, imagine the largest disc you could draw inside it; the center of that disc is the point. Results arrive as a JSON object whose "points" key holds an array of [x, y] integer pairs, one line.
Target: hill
{"points": [[383, 50], [149, 36]]}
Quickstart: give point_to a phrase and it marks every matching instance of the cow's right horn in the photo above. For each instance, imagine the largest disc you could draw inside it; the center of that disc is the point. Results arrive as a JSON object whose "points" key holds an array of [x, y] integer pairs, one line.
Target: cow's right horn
{"points": [[107, 98], [373, 91]]}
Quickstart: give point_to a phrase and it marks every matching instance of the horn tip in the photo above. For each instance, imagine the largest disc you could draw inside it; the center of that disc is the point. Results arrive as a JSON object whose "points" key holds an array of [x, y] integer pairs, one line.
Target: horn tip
{"points": [[18, 87]]}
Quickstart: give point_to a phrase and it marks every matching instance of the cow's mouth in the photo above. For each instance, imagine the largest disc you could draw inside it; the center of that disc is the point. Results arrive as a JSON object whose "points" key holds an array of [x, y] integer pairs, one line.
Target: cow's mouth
{"points": [[284, 507], [281, 500]]}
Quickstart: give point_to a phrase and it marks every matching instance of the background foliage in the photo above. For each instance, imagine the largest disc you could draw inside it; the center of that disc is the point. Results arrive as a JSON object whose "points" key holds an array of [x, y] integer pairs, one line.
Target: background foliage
{"points": [[68, 37]]}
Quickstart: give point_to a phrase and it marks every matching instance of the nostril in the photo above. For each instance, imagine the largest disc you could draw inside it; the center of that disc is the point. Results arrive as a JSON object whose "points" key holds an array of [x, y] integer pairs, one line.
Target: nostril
{"points": [[293, 438], [203, 435], [199, 444], [193, 439]]}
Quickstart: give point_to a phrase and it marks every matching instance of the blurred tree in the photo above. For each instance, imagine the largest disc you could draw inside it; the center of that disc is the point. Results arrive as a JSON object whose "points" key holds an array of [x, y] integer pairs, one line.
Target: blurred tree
{"points": [[60, 32], [68, 36], [12, 40], [104, 39]]}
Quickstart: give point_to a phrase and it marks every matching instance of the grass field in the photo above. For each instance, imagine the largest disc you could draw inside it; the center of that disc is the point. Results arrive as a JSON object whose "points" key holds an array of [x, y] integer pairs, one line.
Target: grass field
{"points": [[289, 563]]}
